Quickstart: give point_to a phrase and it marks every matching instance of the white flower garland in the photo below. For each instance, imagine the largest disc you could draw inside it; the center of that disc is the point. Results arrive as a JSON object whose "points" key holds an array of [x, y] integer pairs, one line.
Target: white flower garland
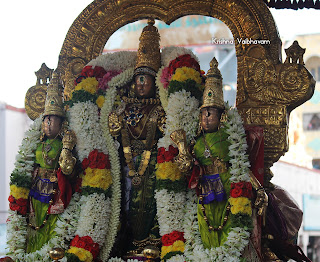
{"points": [[238, 238], [24, 165], [94, 134], [84, 121], [116, 259], [163, 92], [170, 217], [115, 61], [238, 148], [115, 171], [172, 52], [177, 258], [122, 79], [182, 113], [94, 216], [96, 210]]}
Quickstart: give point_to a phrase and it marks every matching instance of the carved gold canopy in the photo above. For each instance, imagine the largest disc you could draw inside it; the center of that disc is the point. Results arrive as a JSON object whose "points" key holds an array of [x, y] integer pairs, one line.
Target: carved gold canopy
{"points": [[267, 88]]}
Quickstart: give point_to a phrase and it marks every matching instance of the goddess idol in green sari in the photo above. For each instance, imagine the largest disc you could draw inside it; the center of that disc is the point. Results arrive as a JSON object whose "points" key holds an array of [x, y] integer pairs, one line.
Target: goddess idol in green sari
{"points": [[212, 152], [51, 190], [220, 174]]}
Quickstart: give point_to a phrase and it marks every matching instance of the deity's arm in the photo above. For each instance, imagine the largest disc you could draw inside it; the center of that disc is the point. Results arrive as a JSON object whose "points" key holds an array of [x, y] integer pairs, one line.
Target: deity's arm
{"points": [[162, 120], [262, 198], [115, 120]]}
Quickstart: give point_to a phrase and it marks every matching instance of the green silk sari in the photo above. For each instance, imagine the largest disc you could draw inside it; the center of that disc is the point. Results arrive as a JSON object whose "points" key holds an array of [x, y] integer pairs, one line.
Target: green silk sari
{"points": [[215, 211]]}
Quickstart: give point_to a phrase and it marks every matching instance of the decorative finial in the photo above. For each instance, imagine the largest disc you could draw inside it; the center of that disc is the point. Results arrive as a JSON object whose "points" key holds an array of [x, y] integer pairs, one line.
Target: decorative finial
{"points": [[151, 21], [213, 93], [294, 53], [214, 70], [148, 57], [54, 103]]}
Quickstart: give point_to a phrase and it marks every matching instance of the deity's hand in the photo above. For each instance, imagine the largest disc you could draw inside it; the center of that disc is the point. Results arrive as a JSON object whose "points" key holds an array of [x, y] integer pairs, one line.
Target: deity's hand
{"points": [[261, 202], [115, 124], [184, 158], [67, 161], [184, 162]]}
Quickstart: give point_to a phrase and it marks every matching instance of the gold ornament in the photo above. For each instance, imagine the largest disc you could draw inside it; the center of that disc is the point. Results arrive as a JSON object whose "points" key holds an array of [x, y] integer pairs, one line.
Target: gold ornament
{"points": [[36, 95], [184, 158], [67, 161], [57, 253], [213, 94], [151, 253], [54, 103], [149, 57]]}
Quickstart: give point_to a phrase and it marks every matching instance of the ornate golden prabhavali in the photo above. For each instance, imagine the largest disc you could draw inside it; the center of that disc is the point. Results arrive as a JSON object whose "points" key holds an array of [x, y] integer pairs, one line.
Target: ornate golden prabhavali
{"points": [[268, 90]]}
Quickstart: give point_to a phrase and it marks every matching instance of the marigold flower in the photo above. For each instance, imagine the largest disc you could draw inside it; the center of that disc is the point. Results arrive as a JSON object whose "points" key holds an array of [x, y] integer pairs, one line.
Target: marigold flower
{"points": [[81, 253], [177, 246], [89, 84], [100, 101], [184, 73], [19, 192], [168, 170], [240, 205], [100, 178]]}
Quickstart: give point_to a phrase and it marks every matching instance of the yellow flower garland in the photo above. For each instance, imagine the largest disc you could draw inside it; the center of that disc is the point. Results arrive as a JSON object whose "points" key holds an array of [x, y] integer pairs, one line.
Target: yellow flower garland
{"points": [[168, 170], [100, 101], [89, 84], [240, 205], [82, 254], [95, 177], [176, 246], [19, 192], [183, 73]]}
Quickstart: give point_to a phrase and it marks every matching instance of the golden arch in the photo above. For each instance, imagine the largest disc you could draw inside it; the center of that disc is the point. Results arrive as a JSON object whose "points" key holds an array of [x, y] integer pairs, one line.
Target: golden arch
{"points": [[263, 99]]}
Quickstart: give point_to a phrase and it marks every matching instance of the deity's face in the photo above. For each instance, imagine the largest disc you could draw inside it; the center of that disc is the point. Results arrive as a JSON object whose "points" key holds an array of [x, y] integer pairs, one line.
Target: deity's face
{"points": [[144, 86], [52, 126], [210, 119]]}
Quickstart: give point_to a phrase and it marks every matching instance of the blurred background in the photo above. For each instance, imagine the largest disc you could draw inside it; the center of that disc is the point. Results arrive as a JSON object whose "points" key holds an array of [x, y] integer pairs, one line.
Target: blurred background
{"points": [[33, 33]]}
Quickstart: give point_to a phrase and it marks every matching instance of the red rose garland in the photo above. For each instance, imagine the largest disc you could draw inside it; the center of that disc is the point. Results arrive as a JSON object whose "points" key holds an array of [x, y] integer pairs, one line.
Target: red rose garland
{"points": [[241, 189], [166, 156], [184, 60], [169, 239], [97, 72], [86, 243], [96, 159], [19, 205]]}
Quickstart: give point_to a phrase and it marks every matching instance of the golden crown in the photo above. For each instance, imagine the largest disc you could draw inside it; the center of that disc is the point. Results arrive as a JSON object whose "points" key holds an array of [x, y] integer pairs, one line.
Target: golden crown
{"points": [[149, 57], [213, 93], [54, 103]]}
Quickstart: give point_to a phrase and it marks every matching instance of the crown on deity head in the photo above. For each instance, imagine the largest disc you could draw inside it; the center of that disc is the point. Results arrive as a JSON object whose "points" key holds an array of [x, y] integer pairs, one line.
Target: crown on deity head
{"points": [[54, 103], [213, 93], [149, 57]]}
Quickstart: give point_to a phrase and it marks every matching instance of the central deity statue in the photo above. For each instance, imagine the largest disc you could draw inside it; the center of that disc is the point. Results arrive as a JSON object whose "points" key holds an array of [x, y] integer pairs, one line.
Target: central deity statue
{"points": [[138, 123]]}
